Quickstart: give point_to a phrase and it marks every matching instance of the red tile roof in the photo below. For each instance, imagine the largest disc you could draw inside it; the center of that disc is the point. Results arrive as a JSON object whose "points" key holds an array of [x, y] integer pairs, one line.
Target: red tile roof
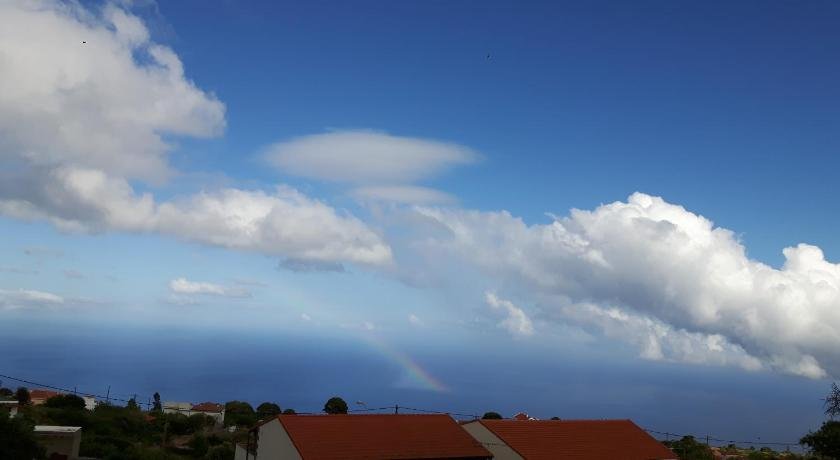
{"points": [[208, 407], [578, 439], [42, 394], [380, 436]]}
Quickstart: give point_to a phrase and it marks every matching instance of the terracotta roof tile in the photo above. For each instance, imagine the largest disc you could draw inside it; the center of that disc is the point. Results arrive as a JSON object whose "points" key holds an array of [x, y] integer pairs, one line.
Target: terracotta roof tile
{"points": [[578, 439], [208, 407], [380, 436], [42, 394]]}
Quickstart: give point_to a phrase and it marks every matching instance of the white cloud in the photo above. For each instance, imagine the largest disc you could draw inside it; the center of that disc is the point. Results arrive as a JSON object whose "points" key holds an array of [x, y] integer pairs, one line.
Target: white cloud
{"points": [[402, 194], [655, 261], [305, 317], [183, 286], [413, 319], [28, 299], [366, 157], [96, 104], [80, 121], [516, 321]]}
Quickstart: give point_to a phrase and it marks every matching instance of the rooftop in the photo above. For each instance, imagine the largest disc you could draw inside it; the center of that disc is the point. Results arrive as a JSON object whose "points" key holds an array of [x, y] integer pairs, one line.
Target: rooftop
{"points": [[208, 407], [578, 439], [56, 429], [380, 436]]}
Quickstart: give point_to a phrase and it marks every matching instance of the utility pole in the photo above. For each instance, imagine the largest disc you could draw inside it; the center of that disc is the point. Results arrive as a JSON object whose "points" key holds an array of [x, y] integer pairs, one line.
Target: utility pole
{"points": [[397, 409], [108, 396]]}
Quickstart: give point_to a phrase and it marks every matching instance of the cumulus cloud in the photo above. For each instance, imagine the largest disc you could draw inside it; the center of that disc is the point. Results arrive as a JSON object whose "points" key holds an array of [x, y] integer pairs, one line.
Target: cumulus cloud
{"points": [[666, 269], [28, 299], [80, 121], [183, 286], [366, 157], [516, 321], [105, 104]]}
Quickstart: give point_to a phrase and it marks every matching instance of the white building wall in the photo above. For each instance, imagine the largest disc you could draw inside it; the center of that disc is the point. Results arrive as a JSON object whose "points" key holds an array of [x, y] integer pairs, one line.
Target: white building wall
{"points": [[490, 441], [275, 443]]}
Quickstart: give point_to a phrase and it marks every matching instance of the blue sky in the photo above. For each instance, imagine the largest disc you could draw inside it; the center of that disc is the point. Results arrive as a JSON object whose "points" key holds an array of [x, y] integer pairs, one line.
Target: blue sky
{"points": [[407, 172]]}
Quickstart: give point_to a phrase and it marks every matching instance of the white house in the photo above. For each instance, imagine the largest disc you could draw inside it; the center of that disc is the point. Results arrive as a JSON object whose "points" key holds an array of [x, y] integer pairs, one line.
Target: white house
{"points": [[211, 409]]}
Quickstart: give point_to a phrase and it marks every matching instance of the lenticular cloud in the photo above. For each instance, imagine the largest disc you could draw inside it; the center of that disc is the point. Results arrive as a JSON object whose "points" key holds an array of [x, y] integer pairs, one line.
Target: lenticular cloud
{"points": [[657, 275]]}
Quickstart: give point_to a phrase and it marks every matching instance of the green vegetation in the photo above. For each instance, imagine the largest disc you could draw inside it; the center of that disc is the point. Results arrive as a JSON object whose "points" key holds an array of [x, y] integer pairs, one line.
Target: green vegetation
{"points": [[492, 416], [688, 448], [116, 432], [239, 413], [6, 394], [17, 439], [22, 396], [67, 401], [267, 410], [335, 405], [825, 441]]}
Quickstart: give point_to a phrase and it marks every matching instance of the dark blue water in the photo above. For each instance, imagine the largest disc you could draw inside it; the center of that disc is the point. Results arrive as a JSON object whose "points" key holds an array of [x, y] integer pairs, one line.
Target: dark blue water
{"points": [[302, 372]]}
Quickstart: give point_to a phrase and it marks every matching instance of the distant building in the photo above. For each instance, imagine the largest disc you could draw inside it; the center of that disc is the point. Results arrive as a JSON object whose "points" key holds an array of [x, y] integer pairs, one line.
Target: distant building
{"points": [[39, 396], [60, 442], [174, 407], [215, 410], [211, 409], [370, 437], [568, 439], [11, 406]]}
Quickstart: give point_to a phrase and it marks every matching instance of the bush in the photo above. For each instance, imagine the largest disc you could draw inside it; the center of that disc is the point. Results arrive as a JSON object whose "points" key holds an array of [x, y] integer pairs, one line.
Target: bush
{"points": [[224, 452], [825, 441], [67, 401], [17, 439], [492, 416]]}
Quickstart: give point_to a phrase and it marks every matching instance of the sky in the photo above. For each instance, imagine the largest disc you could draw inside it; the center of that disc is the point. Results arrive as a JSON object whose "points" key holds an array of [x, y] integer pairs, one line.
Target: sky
{"points": [[583, 210]]}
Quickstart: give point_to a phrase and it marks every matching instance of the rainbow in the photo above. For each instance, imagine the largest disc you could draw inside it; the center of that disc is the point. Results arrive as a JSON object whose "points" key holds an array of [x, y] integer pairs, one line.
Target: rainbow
{"points": [[418, 376]]}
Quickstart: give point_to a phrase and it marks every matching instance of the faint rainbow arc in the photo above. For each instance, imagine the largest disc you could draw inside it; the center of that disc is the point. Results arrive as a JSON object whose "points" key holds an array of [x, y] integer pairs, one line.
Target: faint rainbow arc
{"points": [[411, 368]]}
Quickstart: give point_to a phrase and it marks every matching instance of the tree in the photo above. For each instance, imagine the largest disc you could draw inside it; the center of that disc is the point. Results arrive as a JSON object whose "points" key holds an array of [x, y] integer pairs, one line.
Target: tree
{"points": [[688, 448], [825, 441], [132, 404], [67, 401], [832, 402], [6, 393], [156, 407], [335, 405], [492, 416], [289, 412], [17, 439], [22, 396], [267, 410], [555, 418], [239, 413]]}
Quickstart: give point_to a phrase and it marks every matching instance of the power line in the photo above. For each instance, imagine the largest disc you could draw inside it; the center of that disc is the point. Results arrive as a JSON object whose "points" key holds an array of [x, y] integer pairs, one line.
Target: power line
{"points": [[67, 390], [728, 441]]}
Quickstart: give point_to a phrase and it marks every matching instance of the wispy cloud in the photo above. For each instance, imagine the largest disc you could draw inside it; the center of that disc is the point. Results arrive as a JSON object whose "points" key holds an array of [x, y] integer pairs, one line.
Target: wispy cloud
{"points": [[184, 286]]}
